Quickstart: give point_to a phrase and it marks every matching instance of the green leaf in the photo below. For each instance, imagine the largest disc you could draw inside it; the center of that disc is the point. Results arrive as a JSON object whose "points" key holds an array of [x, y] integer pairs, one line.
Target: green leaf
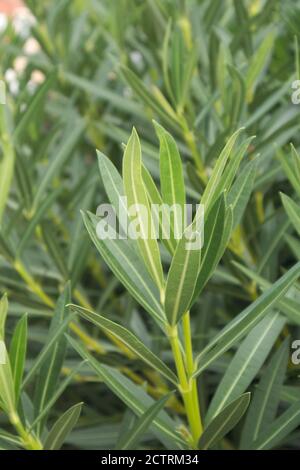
{"points": [[177, 64], [38, 215], [266, 398], [171, 178], [148, 98], [7, 160], [224, 422], [246, 363], [213, 234], [45, 351], [7, 389], [113, 185], [233, 166], [50, 369], [137, 196], [167, 236], [56, 395], [210, 194], [129, 339], [242, 19], [279, 429], [128, 268], [17, 354], [183, 274], [294, 245], [33, 108], [237, 97], [257, 64], [131, 439], [133, 396], [3, 315], [62, 428], [293, 211], [290, 170], [296, 161], [246, 320], [288, 306], [54, 248], [70, 139], [241, 190]]}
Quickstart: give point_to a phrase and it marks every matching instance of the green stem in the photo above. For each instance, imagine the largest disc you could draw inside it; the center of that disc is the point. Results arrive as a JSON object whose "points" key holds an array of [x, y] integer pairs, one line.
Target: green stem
{"points": [[187, 335], [30, 442], [185, 386]]}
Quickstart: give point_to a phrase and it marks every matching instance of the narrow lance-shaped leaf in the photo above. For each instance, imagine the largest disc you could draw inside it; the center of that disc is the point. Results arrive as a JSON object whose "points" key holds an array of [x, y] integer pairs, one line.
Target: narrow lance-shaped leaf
{"points": [[288, 306], [3, 315], [71, 137], [233, 166], [279, 429], [257, 64], [45, 351], [171, 179], [296, 161], [129, 339], [62, 428], [114, 188], [266, 398], [52, 364], [148, 98], [292, 210], [33, 108], [38, 215], [184, 270], [127, 267], [133, 396], [138, 201], [167, 236], [213, 233], [290, 169], [7, 391], [241, 191], [246, 320], [7, 160], [131, 439], [210, 194], [246, 363], [224, 422], [17, 353]]}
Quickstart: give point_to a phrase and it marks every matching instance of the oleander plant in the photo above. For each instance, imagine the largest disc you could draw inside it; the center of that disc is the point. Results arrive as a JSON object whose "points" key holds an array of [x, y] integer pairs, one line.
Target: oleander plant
{"points": [[114, 342]]}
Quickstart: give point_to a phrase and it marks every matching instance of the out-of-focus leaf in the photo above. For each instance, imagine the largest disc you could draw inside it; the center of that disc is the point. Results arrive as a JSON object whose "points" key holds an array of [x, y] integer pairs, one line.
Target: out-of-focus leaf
{"points": [[134, 397], [292, 210], [131, 439], [224, 422], [246, 320], [62, 428], [266, 398], [51, 368], [247, 361]]}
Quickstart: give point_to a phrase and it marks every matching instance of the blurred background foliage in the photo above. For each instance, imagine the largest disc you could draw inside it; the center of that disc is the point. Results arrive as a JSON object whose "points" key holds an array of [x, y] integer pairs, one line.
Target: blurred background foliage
{"points": [[79, 75]]}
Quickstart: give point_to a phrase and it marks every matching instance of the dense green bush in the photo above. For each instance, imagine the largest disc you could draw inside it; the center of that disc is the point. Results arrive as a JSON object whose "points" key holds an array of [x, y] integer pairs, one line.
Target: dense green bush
{"points": [[217, 76]]}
